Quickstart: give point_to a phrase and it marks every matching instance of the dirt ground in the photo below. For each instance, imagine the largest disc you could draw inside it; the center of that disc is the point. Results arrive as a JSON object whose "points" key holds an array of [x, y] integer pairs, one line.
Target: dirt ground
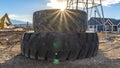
{"points": [[10, 54]]}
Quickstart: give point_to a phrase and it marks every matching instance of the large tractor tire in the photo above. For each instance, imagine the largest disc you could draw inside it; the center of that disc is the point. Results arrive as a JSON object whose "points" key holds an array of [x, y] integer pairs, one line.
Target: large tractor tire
{"points": [[54, 20], [63, 46]]}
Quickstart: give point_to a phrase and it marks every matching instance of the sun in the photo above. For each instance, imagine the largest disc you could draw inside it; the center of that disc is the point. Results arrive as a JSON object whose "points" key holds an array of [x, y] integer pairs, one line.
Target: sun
{"points": [[57, 5], [62, 7]]}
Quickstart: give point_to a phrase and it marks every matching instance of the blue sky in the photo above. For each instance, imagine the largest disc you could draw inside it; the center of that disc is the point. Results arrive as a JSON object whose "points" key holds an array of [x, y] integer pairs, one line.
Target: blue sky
{"points": [[23, 9], [112, 11]]}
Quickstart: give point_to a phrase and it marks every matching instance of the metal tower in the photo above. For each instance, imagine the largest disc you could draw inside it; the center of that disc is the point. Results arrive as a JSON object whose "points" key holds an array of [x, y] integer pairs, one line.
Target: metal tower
{"points": [[93, 8]]}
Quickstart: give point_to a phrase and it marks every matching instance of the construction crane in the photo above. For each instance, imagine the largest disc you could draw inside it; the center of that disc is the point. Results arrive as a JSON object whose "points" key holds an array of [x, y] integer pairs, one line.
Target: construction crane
{"points": [[3, 23]]}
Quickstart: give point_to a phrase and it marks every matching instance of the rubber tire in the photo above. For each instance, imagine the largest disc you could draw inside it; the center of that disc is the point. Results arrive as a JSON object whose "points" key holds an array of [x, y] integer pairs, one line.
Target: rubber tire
{"points": [[49, 20], [77, 45]]}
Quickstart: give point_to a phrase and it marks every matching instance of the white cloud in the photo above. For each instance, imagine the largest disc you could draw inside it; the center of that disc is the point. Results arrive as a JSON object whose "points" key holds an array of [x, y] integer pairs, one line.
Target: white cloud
{"points": [[58, 4], [55, 3], [13, 16], [109, 2], [21, 17]]}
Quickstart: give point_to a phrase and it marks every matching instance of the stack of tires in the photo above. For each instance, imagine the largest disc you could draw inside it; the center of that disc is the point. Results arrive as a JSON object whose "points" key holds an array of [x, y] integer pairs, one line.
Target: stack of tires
{"points": [[59, 34]]}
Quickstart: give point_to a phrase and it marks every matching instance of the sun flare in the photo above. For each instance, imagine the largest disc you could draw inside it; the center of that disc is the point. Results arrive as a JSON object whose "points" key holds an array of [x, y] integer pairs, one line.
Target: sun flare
{"points": [[57, 5], [62, 8]]}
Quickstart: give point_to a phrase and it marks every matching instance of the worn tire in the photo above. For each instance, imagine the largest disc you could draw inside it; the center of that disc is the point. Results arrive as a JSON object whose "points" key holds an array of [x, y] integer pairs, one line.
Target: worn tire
{"points": [[54, 20], [67, 45]]}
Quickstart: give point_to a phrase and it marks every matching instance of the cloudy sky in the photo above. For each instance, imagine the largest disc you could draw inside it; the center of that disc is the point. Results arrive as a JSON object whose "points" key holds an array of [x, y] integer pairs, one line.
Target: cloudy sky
{"points": [[23, 9]]}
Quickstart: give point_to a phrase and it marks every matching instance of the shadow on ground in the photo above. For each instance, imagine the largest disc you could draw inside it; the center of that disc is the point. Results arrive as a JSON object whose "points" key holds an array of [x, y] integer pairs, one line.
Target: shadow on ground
{"points": [[99, 61]]}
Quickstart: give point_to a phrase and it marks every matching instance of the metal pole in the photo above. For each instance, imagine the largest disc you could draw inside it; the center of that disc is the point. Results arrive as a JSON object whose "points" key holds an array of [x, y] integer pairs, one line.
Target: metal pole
{"points": [[95, 23], [72, 5], [104, 28], [87, 12], [102, 15], [67, 4], [77, 5], [87, 6]]}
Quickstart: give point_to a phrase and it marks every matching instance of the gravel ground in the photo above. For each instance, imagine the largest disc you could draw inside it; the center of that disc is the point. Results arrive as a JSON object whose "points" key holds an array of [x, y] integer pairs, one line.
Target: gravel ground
{"points": [[10, 55]]}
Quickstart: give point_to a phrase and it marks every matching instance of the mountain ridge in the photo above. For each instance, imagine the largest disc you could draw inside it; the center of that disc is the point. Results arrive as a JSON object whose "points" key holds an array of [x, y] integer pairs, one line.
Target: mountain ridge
{"points": [[14, 22]]}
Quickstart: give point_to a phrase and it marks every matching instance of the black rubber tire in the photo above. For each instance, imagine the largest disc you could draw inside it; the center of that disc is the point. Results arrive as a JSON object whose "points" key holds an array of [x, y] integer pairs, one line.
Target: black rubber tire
{"points": [[52, 20], [68, 45]]}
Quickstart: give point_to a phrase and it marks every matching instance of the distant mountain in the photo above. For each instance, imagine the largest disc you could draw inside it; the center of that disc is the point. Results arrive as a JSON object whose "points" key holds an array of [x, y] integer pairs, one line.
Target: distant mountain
{"points": [[14, 22], [18, 23]]}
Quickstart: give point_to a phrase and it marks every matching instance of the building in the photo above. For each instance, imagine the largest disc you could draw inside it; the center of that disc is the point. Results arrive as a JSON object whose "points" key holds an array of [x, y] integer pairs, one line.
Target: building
{"points": [[104, 24]]}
